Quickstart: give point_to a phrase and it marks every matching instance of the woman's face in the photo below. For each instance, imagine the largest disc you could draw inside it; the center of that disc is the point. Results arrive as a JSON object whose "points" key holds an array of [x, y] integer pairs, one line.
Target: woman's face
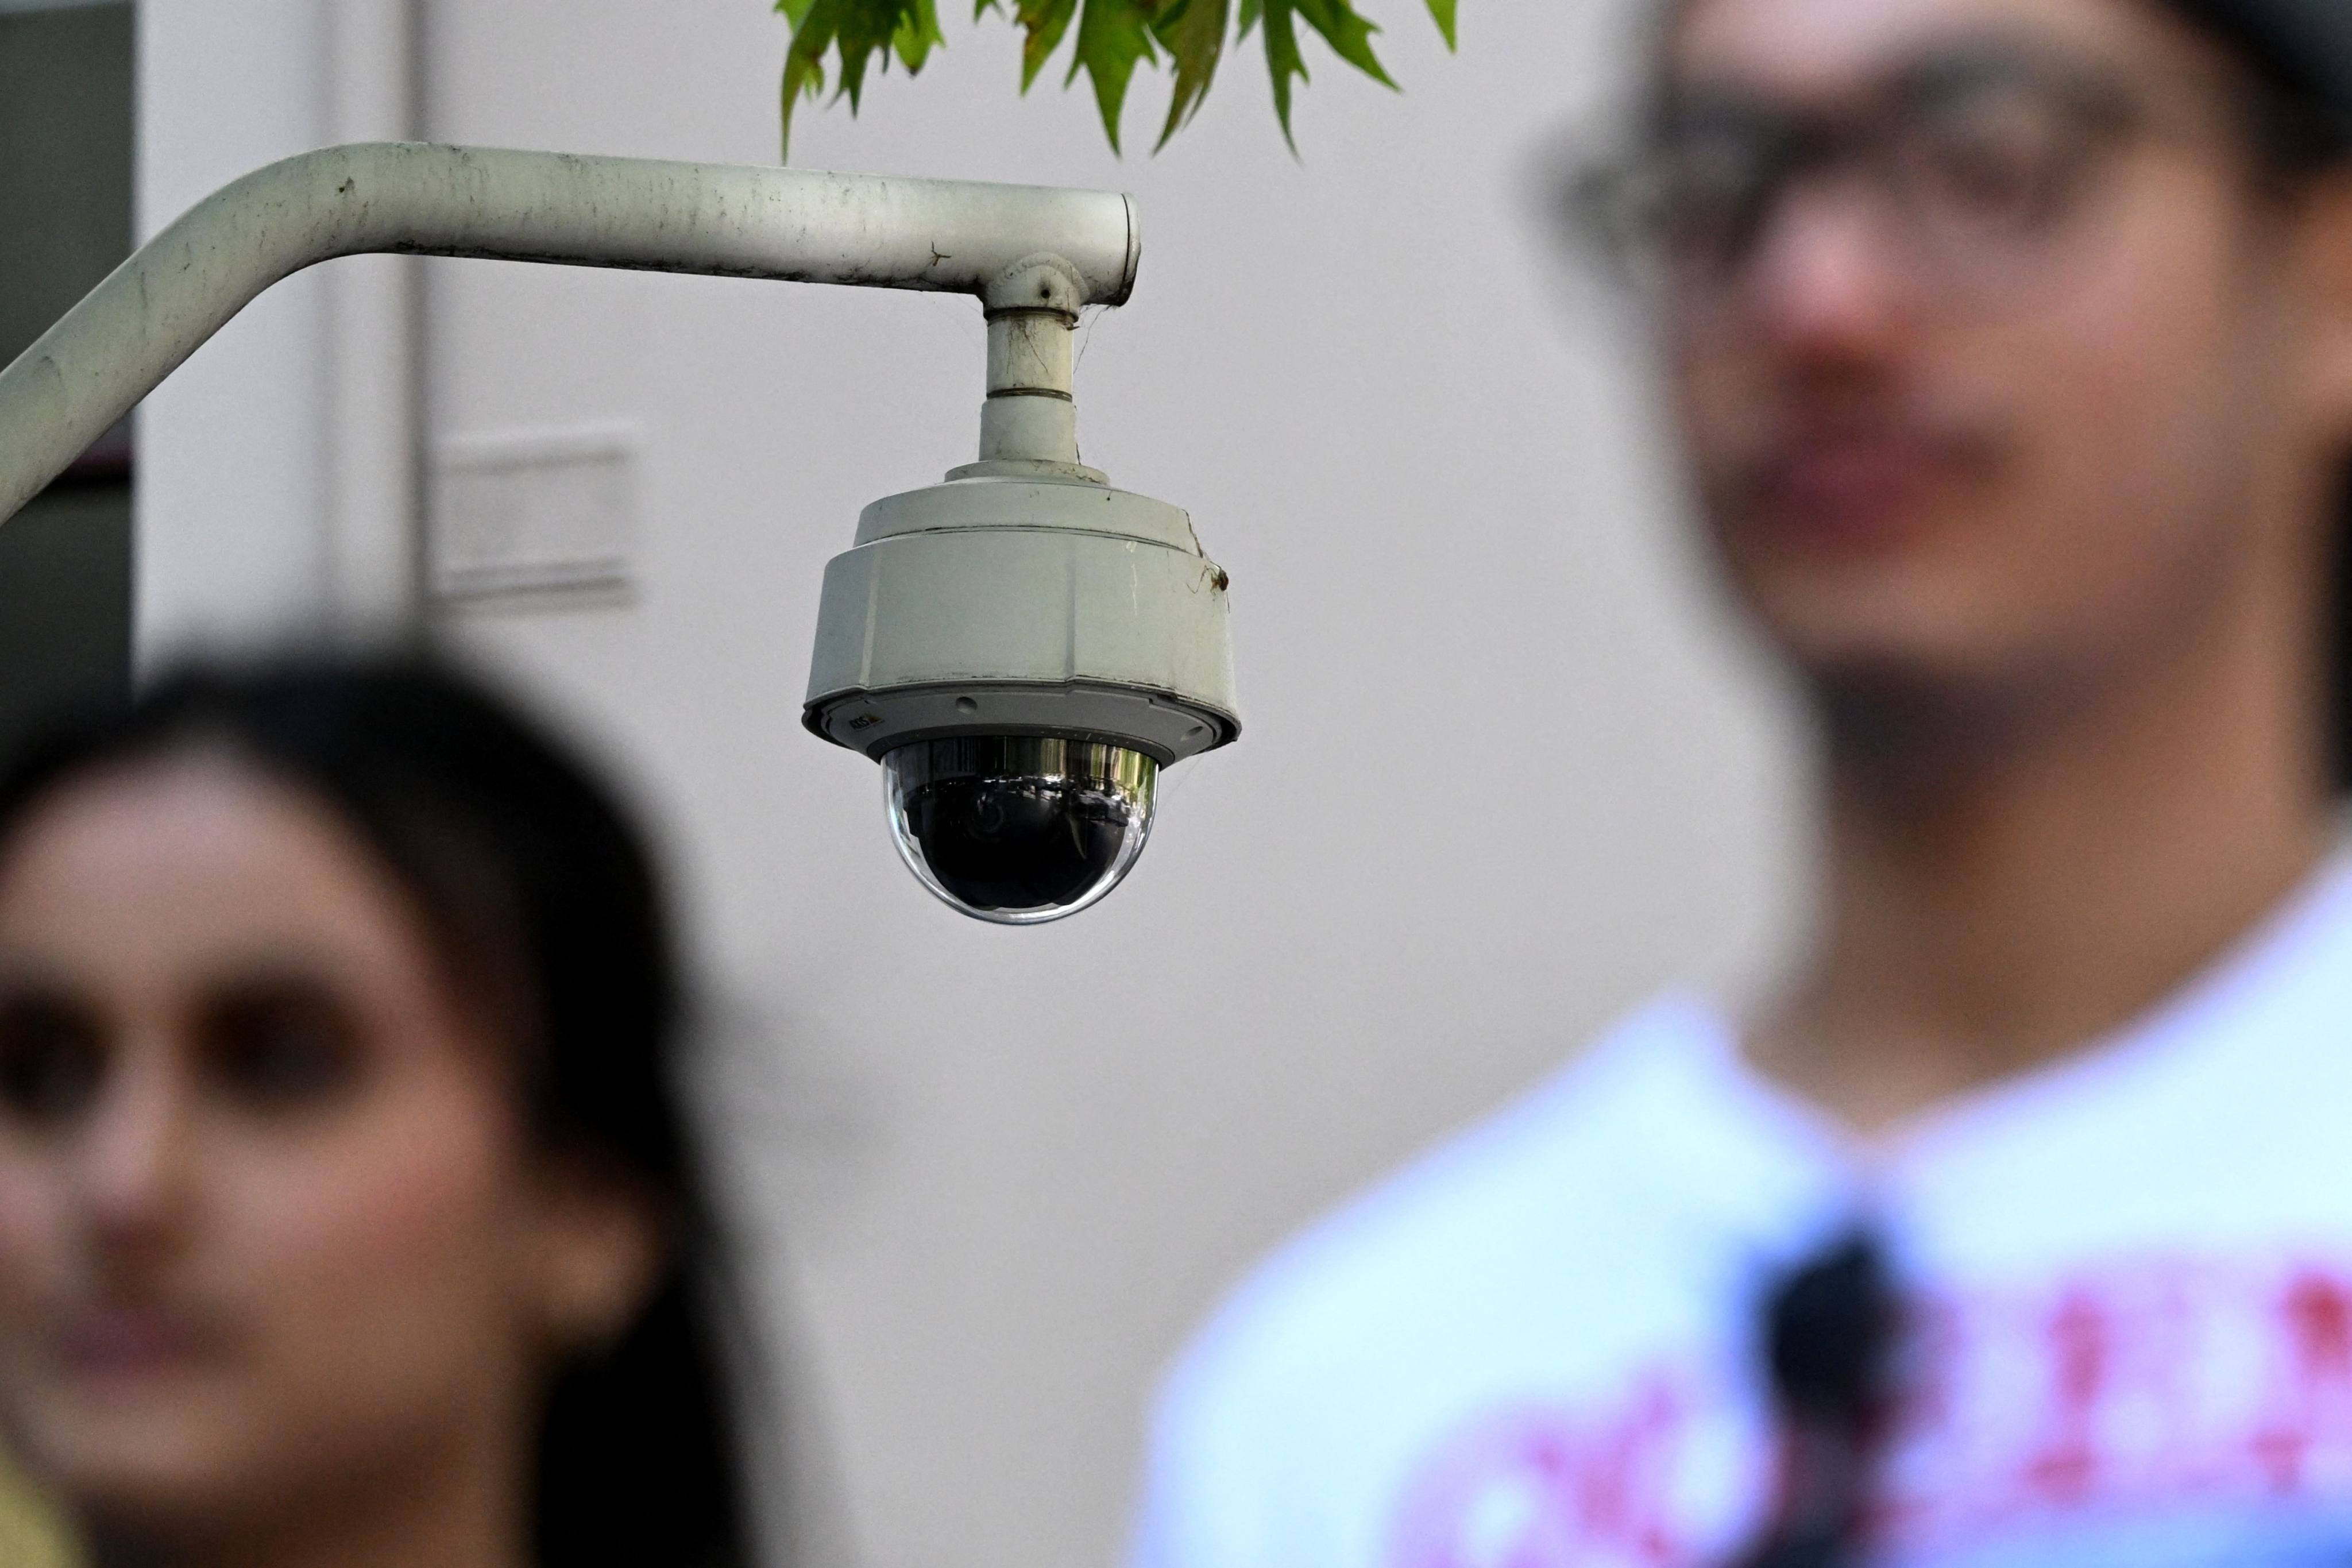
{"points": [[269, 1227]]}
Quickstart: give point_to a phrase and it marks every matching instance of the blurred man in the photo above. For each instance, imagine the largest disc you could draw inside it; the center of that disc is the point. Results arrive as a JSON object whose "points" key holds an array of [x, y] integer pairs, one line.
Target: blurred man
{"points": [[2011, 344]]}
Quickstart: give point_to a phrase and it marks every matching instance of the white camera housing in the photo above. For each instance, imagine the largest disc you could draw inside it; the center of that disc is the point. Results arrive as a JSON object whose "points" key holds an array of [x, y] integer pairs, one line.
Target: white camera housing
{"points": [[1024, 603], [1023, 648]]}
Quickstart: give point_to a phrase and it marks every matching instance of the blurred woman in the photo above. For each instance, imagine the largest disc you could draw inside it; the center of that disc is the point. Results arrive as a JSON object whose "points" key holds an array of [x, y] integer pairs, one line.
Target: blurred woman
{"points": [[346, 1211]]}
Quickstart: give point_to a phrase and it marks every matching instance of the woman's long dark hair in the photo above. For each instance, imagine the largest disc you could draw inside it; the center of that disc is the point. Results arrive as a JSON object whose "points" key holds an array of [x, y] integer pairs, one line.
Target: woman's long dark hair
{"points": [[541, 896]]}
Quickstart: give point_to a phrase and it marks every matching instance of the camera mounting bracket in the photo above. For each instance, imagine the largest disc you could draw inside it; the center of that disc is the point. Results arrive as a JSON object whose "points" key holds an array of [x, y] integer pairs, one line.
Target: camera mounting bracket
{"points": [[1022, 597]]}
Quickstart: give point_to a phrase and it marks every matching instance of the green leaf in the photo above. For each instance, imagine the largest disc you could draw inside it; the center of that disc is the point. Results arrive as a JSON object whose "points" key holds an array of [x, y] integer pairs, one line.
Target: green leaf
{"points": [[1043, 24], [1193, 32], [856, 31], [918, 33], [813, 29], [1349, 33], [866, 28], [1442, 11], [1113, 36], [1046, 23], [1282, 62]]}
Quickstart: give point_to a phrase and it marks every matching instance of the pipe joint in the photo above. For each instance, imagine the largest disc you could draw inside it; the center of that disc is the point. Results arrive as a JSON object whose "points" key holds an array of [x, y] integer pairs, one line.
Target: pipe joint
{"points": [[1041, 281]]}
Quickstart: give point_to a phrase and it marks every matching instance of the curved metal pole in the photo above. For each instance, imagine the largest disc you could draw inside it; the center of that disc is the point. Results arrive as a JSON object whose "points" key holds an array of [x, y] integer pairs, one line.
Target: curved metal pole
{"points": [[790, 224]]}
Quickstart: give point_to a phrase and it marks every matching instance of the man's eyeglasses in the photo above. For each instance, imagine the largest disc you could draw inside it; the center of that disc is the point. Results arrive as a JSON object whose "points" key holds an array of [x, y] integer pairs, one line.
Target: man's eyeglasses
{"points": [[1980, 162]]}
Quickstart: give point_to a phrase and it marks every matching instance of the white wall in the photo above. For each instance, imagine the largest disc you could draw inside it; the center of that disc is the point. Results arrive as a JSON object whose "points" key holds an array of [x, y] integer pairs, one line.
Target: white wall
{"points": [[277, 490], [1500, 773], [230, 448]]}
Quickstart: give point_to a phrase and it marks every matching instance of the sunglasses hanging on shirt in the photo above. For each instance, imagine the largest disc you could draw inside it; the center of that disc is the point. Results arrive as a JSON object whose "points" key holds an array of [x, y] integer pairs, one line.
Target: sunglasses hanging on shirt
{"points": [[1830, 1335]]}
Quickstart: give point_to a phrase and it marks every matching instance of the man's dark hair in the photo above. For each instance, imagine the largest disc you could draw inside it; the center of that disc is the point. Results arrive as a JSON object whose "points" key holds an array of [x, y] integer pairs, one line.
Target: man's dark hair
{"points": [[2301, 47], [2300, 52], [541, 898]]}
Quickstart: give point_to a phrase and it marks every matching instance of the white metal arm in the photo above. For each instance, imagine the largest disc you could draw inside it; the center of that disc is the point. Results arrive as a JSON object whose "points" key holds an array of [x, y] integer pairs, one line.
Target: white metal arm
{"points": [[1028, 252]]}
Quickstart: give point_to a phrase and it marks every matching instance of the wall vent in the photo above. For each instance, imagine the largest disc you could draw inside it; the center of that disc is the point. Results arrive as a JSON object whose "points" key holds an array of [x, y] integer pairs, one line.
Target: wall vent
{"points": [[532, 513]]}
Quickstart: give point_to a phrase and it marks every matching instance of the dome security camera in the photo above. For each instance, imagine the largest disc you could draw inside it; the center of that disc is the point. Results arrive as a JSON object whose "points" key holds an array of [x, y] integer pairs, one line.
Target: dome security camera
{"points": [[1023, 648]]}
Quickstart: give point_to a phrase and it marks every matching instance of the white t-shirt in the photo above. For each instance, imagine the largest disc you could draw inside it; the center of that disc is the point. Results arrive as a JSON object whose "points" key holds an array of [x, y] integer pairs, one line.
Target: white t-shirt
{"points": [[2129, 1277]]}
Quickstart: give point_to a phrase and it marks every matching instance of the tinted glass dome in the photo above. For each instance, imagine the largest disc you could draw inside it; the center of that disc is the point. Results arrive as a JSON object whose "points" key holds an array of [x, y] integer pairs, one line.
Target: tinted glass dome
{"points": [[1019, 829]]}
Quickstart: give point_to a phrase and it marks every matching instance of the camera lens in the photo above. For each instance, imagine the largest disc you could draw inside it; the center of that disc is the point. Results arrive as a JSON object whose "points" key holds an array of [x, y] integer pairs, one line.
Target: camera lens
{"points": [[1019, 829]]}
